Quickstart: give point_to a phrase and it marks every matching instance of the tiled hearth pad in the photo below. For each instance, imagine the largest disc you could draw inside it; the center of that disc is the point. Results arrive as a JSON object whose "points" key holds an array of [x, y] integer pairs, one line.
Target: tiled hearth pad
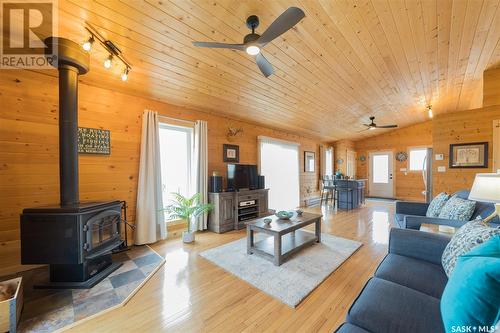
{"points": [[47, 310]]}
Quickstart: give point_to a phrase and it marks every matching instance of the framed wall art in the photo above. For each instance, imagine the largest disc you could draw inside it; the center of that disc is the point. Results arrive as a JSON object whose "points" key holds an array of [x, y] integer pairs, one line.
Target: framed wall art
{"points": [[469, 155], [309, 161], [231, 153]]}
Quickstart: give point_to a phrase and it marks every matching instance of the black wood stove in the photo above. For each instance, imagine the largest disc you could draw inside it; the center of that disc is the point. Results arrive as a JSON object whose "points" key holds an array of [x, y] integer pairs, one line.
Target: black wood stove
{"points": [[74, 238]]}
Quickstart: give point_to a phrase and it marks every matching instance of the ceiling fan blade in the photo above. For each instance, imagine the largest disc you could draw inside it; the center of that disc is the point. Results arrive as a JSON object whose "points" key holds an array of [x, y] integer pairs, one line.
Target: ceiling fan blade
{"points": [[387, 126], [364, 130], [282, 24], [264, 65], [213, 45]]}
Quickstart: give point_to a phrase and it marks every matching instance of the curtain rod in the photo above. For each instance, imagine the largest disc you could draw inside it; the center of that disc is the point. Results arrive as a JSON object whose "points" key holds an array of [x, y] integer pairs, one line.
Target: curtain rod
{"points": [[177, 119]]}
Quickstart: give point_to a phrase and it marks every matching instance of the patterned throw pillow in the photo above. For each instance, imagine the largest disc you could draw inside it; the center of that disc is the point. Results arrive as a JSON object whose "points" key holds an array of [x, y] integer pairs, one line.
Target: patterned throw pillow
{"points": [[437, 204], [458, 209], [469, 236]]}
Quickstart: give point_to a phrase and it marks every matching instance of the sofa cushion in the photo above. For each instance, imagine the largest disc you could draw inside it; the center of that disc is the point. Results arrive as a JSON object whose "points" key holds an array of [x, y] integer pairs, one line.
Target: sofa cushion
{"points": [[400, 220], [384, 306], [437, 204], [472, 296], [416, 274], [467, 237], [458, 209], [350, 328]]}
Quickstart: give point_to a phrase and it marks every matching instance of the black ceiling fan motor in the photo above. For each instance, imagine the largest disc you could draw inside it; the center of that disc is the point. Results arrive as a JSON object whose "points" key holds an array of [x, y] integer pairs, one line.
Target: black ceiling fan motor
{"points": [[252, 22]]}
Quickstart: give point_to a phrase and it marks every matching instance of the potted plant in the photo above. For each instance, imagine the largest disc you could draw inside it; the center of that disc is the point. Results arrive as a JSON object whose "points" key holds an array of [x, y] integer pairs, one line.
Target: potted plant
{"points": [[187, 209]]}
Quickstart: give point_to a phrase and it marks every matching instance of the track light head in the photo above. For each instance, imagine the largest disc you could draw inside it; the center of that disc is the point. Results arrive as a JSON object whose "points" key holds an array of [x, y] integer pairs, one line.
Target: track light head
{"points": [[108, 62], [87, 46], [125, 74]]}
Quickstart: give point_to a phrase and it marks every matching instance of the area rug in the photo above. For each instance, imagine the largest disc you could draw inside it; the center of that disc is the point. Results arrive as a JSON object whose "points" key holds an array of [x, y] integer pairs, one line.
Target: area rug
{"points": [[293, 280], [49, 310]]}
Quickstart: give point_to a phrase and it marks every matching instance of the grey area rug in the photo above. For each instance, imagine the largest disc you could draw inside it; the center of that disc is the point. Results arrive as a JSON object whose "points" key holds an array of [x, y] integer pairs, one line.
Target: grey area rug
{"points": [[296, 278]]}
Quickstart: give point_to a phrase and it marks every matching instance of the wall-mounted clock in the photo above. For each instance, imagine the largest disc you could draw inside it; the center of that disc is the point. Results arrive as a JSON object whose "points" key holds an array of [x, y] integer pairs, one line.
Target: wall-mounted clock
{"points": [[401, 156]]}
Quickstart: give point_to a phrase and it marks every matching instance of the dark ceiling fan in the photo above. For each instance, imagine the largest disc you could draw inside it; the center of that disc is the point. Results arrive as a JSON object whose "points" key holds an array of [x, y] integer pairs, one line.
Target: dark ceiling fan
{"points": [[253, 43], [372, 125]]}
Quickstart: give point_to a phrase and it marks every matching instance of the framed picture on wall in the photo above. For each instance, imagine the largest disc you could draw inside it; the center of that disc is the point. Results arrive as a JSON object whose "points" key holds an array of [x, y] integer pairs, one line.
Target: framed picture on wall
{"points": [[231, 153], [309, 161], [469, 155]]}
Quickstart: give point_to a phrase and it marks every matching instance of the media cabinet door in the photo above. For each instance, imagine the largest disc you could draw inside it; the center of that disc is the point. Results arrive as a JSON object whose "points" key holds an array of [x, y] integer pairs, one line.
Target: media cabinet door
{"points": [[227, 209]]}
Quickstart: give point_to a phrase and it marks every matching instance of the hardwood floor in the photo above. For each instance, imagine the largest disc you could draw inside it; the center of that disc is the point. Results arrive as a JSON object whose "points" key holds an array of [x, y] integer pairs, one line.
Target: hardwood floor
{"points": [[190, 294]]}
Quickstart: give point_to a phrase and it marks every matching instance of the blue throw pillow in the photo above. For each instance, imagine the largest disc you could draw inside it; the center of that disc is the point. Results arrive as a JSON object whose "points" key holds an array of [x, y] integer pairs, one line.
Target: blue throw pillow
{"points": [[437, 204], [471, 298], [457, 209]]}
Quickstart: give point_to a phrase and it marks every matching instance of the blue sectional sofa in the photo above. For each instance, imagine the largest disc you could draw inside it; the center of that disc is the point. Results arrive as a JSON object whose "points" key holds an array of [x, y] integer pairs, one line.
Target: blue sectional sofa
{"points": [[405, 292], [411, 215]]}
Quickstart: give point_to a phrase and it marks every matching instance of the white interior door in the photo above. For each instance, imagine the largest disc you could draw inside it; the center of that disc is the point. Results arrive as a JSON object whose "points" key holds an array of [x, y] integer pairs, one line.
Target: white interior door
{"points": [[351, 164], [381, 174]]}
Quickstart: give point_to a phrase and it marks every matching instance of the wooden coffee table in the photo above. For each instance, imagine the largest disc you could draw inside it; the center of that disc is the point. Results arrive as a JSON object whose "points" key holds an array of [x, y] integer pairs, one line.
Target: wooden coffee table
{"points": [[287, 237]]}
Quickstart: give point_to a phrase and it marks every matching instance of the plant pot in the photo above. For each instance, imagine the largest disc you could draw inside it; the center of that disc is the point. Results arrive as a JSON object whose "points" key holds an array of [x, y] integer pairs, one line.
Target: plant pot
{"points": [[187, 237]]}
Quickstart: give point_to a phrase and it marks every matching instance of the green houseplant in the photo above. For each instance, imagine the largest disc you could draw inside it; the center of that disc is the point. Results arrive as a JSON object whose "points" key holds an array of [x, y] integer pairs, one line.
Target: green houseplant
{"points": [[187, 209]]}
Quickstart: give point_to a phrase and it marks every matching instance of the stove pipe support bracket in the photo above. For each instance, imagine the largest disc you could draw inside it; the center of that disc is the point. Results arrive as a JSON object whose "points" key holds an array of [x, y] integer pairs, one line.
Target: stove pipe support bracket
{"points": [[72, 61]]}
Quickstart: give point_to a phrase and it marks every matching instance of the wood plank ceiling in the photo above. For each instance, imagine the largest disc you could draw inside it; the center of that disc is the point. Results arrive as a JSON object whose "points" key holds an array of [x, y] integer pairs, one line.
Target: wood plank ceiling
{"points": [[345, 61]]}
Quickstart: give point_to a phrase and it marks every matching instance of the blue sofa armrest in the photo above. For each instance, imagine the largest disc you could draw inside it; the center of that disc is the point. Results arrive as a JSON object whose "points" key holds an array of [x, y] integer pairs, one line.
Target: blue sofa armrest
{"points": [[411, 208], [414, 222], [418, 244]]}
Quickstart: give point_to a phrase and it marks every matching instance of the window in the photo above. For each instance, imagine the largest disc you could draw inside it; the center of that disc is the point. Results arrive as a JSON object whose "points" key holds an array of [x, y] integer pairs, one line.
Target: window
{"points": [[381, 169], [329, 161], [417, 159], [176, 156], [279, 163]]}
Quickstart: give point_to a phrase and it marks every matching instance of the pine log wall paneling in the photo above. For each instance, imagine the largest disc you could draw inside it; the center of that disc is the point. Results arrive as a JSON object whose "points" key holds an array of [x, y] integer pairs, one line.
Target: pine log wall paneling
{"points": [[408, 185], [29, 169], [341, 148], [461, 127]]}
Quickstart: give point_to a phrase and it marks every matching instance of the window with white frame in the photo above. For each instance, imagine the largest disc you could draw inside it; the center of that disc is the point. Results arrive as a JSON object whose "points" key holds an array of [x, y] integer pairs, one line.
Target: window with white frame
{"points": [[176, 153], [279, 163], [329, 161], [416, 159]]}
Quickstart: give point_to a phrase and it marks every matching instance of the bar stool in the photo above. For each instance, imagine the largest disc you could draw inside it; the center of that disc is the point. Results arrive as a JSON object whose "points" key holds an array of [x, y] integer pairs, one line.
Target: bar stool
{"points": [[327, 188], [348, 194]]}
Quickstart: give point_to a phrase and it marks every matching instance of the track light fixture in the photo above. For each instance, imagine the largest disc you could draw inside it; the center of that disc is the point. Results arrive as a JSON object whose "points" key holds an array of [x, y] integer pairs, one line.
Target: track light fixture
{"points": [[125, 74], [108, 62], [115, 54], [87, 46], [429, 108]]}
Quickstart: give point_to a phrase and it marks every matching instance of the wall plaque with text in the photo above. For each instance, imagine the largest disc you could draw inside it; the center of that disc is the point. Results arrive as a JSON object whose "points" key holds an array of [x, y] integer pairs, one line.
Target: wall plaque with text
{"points": [[93, 141]]}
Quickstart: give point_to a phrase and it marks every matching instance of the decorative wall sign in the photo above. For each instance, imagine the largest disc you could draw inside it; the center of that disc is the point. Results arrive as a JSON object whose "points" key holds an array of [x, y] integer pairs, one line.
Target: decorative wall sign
{"points": [[93, 141], [401, 156], [340, 161], [309, 161], [469, 155], [231, 153]]}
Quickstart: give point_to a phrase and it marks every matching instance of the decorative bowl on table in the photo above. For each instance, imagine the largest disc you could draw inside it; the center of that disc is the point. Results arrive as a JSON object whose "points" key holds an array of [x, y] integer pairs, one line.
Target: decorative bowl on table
{"points": [[267, 221], [284, 215]]}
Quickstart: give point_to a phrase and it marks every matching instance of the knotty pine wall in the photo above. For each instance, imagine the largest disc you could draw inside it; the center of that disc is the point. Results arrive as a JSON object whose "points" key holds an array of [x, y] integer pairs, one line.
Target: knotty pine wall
{"points": [[29, 169], [340, 149], [409, 185], [461, 127]]}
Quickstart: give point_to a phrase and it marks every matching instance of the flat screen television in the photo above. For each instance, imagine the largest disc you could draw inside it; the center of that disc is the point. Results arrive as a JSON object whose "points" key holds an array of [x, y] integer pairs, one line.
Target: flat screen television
{"points": [[242, 176]]}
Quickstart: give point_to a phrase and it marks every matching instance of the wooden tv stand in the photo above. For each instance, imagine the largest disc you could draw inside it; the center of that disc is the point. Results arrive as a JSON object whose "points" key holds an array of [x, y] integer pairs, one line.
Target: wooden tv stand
{"points": [[230, 211]]}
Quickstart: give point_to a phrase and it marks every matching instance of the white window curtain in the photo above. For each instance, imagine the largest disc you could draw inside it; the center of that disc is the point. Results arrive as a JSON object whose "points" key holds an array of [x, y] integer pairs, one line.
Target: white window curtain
{"points": [[279, 163], [150, 220], [200, 170]]}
